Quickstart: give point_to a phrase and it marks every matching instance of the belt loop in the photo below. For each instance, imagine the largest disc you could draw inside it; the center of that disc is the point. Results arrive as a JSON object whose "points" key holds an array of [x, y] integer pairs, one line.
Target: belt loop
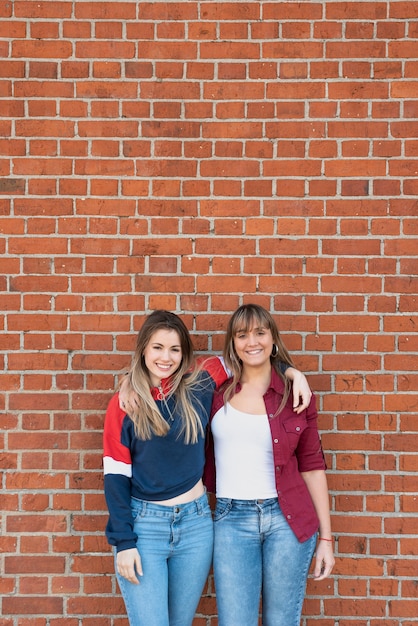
{"points": [[199, 504]]}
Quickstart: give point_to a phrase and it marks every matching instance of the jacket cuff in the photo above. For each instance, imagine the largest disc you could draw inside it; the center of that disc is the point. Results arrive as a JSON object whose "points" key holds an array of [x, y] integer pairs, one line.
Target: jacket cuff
{"points": [[125, 545]]}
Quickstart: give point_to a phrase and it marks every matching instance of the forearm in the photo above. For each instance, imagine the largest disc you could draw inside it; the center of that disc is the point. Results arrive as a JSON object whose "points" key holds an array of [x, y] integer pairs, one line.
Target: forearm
{"points": [[316, 482], [119, 528]]}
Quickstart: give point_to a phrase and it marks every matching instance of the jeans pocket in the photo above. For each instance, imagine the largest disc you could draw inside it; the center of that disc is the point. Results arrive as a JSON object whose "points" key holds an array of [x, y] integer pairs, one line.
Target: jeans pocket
{"points": [[136, 514], [136, 509], [222, 509]]}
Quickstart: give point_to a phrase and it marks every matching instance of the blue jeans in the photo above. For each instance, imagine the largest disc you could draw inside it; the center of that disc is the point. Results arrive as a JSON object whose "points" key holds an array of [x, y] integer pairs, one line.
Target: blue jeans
{"points": [[176, 546], [257, 555]]}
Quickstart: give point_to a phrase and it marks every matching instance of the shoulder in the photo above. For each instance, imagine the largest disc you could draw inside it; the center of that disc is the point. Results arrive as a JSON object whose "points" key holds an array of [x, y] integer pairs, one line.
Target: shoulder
{"points": [[115, 434], [214, 367], [114, 414], [113, 406], [277, 383]]}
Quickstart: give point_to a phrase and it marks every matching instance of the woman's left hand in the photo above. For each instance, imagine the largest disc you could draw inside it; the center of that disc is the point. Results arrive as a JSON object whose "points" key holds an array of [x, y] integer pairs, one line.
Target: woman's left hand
{"points": [[324, 561]]}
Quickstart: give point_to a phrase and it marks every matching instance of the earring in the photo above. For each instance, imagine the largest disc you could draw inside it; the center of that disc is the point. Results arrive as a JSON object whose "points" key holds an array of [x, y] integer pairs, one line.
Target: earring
{"points": [[275, 351]]}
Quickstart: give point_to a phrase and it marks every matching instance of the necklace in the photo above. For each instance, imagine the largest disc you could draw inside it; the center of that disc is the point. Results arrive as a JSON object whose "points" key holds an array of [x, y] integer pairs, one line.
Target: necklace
{"points": [[161, 397]]}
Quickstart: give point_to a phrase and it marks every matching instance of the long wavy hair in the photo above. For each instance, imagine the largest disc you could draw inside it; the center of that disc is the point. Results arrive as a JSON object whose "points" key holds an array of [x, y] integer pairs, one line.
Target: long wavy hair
{"points": [[246, 317], [182, 385]]}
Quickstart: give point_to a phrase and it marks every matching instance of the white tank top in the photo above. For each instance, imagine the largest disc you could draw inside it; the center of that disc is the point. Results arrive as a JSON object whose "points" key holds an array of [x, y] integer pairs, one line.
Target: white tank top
{"points": [[243, 455]]}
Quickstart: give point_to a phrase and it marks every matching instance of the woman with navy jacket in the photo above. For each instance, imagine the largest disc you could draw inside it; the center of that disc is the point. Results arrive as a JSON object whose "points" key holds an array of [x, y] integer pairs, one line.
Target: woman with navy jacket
{"points": [[159, 522], [268, 470]]}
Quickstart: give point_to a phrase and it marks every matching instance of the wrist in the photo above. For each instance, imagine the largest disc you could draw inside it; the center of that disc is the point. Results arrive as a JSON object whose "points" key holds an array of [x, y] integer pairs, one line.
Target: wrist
{"points": [[292, 373]]}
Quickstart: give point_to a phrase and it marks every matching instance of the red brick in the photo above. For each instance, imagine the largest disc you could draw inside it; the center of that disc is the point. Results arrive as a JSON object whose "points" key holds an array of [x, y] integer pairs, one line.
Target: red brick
{"points": [[156, 152], [22, 605]]}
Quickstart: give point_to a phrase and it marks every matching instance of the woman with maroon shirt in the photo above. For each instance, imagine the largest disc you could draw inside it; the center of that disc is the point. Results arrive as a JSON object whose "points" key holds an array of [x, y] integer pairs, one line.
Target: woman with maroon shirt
{"points": [[271, 487]]}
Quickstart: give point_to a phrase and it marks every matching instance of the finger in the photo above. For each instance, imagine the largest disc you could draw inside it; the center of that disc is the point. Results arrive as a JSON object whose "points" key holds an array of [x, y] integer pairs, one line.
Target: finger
{"points": [[299, 404], [318, 571], [303, 404], [324, 575], [138, 566], [319, 567], [320, 576], [322, 570], [129, 574], [132, 579], [296, 398]]}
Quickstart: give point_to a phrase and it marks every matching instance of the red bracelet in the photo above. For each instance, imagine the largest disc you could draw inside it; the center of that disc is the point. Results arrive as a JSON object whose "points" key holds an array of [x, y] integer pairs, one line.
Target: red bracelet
{"points": [[323, 539]]}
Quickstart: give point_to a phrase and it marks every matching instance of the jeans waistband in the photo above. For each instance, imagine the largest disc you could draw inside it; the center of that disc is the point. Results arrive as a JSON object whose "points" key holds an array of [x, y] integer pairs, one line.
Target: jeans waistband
{"points": [[249, 503], [197, 506]]}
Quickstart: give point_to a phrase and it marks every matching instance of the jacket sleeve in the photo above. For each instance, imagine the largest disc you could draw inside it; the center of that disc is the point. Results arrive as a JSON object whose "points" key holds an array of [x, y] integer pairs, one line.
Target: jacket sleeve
{"points": [[117, 465], [216, 368], [309, 451]]}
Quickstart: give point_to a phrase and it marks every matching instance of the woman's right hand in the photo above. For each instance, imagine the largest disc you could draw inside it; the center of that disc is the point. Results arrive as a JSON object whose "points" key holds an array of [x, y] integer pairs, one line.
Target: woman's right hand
{"points": [[128, 563], [126, 396]]}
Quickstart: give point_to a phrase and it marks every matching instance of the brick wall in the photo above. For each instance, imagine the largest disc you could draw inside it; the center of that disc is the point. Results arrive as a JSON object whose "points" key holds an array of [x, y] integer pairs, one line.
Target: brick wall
{"points": [[193, 156]]}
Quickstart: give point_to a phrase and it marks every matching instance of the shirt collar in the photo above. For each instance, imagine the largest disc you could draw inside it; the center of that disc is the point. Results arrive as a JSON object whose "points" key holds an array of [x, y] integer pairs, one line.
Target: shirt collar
{"points": [[163, 390], [276, 382]]}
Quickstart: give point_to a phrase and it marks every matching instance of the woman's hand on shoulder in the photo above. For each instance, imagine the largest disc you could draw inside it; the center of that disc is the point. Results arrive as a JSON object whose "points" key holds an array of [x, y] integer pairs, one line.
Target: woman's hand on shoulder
{"points": [[126, 395], [302, 393], [128, 564]]}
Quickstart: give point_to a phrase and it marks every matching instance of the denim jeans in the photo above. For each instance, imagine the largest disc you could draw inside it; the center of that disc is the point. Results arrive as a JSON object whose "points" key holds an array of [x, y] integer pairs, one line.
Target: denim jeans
{"points": [[176, 546], [257, 555]]}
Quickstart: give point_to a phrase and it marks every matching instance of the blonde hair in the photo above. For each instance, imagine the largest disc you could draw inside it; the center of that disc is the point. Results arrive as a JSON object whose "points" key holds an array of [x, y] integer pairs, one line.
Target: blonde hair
{"points": [[146, 417], [244, 318]]}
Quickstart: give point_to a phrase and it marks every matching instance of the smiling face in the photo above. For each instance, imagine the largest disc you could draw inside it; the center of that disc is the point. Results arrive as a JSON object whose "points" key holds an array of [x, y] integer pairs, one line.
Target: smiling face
{"points": [[162, 355], [254, 345]]}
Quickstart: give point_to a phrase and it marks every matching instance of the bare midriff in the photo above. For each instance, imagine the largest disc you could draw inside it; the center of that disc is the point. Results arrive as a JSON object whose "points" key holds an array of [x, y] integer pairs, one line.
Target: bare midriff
{"points": [[188, 496]]}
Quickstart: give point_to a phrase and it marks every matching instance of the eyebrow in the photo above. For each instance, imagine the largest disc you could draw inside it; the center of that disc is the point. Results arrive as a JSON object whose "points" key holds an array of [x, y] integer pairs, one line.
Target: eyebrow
{"points": [[246, 330]]}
